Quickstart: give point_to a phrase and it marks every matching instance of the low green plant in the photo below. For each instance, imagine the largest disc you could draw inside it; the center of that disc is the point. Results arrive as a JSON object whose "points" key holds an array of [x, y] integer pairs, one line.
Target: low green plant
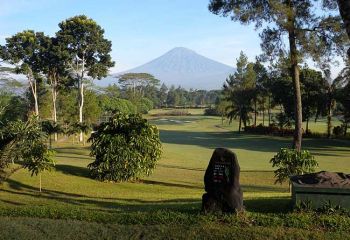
{"points": [[290, 162], [125, 148], [23, 143]]}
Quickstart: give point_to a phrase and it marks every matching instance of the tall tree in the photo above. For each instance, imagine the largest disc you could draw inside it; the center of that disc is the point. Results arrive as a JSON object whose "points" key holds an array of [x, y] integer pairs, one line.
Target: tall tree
{"points": [[344, 9], [24, 50], [239, 90], [137, 82], [261, 88], [308, 34], [313, 87], [55, 60], [162, 95], [89, 52]]}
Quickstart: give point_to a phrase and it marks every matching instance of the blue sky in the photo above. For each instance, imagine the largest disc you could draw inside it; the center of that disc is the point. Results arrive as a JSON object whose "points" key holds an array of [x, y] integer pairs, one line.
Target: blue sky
{"points": [[139, 30]]}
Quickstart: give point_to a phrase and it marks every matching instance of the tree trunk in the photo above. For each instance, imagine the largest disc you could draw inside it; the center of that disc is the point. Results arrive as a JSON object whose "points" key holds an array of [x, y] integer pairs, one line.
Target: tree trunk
{"points": [[255, 113], [263, 122], [39, 182], [33, 87], [296, 83], [345, 129], [344, 9], [54, 108], [269, 109], [81, 98], [36, 105], [81, 105], [240, 124], [329, 121]]}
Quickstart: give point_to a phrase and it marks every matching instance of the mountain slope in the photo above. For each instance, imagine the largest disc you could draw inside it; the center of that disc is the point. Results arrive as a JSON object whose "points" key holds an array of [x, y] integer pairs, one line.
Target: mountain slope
{"points": [[182, 66]]}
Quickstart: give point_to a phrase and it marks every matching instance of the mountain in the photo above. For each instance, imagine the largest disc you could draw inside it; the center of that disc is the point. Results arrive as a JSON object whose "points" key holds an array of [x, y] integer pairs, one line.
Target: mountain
{"points": [[182, 66]]}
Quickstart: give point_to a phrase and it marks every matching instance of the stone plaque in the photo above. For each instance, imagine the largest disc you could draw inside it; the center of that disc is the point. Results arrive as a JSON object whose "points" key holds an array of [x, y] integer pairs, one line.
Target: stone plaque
{"points": [[221, 179]]}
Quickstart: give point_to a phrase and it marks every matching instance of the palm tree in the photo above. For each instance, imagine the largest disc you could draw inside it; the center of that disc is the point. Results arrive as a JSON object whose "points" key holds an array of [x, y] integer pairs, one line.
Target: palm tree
{"points": [[50, 127], [240, 106]]}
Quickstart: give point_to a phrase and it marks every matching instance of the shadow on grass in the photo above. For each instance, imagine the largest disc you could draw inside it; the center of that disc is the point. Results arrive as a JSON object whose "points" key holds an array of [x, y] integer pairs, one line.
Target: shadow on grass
{"points": [[166, 184], [73, 170], [262, 143], [187, 205], [269, 205]]}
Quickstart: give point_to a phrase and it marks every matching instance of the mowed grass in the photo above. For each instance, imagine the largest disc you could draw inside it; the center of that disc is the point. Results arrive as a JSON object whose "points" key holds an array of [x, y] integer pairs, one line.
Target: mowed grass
{"points": [[173, 191]]}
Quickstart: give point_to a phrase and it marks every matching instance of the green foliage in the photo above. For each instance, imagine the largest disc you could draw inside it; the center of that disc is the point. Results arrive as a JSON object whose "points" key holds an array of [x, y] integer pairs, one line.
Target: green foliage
{"points": [[12, 107], [144, 105], [239, 91], [125, 148], [137, 82], [291, 162], [115, 104], [24, 143], [84, 41]]}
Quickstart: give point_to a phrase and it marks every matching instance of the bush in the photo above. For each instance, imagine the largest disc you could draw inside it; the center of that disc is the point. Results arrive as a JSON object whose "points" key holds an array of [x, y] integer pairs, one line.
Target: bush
{"points": [[211, 112], [144, 105], [125, 148], [290, 162], [338, 131], [23, 143], [273, 129], [115, 105]]}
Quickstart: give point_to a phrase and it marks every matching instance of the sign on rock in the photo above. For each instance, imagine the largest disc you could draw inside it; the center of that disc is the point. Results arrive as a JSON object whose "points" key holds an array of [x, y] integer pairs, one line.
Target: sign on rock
{"points": [[221, 179]]}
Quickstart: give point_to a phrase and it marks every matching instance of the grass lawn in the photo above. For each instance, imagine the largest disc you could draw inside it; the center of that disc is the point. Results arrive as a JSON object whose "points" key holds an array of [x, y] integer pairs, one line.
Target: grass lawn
{"points": [[167, 204]]}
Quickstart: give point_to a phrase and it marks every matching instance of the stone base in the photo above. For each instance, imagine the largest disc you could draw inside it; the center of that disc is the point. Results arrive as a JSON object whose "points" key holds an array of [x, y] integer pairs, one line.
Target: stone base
{"points": [[211, 204], [319, 197]]}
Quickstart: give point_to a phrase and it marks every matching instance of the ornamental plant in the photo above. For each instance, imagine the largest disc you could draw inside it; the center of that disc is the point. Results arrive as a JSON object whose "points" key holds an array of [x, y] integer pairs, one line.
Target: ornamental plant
{"points": [[24, 144], [290, 162], [125, 148]]}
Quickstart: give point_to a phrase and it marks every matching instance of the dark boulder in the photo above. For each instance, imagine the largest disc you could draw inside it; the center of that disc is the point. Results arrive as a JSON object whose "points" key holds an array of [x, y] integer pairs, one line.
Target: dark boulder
{"points": [[221, 179]]}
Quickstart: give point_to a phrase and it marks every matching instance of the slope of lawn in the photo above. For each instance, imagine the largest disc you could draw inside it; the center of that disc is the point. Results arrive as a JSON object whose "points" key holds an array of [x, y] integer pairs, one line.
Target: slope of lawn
{"points": [[172, 195]]}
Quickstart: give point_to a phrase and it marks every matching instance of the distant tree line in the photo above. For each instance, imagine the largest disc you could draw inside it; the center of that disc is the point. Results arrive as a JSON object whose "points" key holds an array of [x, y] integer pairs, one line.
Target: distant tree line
{"points": [[255, 90]]}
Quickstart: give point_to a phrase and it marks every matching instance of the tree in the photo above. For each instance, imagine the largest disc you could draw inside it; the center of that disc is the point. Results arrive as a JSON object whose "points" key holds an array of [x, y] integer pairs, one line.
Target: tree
{"points": [[55, 60], [25, 49], [137, 82], [173, 98], [125, 148], [291, 162], [344, 9], [89, 52], [261, 89], [328, 100], [23, 143], [239, 90], [312, 93], [308, 34], [50, 127], [163, 91], [240, 105], [344, 99]]}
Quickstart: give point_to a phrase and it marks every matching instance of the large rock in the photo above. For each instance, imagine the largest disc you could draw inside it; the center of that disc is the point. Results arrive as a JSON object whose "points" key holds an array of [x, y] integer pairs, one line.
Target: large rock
{"points": [[221, 179]]}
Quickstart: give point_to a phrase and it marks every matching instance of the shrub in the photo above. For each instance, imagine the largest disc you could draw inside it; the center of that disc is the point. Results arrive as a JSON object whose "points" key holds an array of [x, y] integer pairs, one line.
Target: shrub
{"points": [[338, 131], [115, 105], [211, 112], [23, 143], [290, 162], [144, 105], [125, 148]]}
